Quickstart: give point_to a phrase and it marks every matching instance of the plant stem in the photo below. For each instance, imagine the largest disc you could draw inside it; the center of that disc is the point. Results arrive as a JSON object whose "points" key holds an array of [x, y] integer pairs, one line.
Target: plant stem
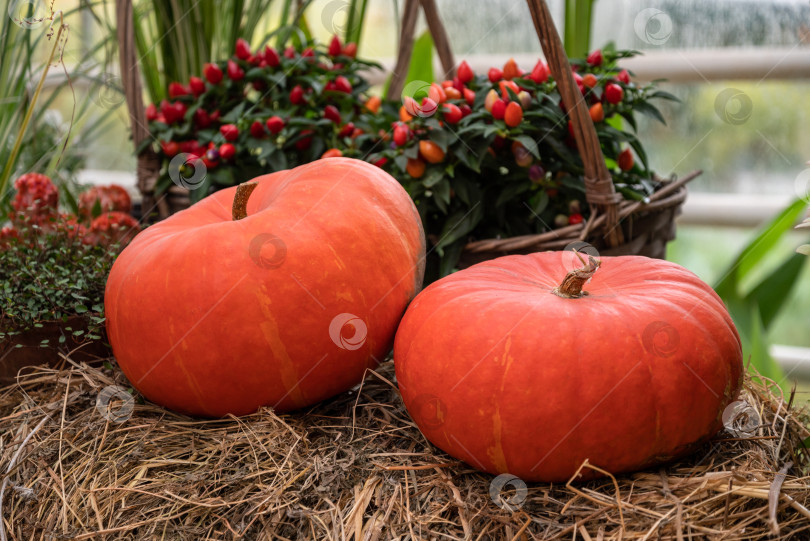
{"points": [[21, 133], [240, 200], [571, 286]]}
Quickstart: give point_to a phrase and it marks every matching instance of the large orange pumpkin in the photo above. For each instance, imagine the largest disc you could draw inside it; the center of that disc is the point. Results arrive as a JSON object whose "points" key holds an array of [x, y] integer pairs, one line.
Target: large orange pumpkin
{"points": [[211, 315], [509, 367]]}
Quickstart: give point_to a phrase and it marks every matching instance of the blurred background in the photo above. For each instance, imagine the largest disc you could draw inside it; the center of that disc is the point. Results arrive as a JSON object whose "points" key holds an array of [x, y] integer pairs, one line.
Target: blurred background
{"points": [[741, 69]]}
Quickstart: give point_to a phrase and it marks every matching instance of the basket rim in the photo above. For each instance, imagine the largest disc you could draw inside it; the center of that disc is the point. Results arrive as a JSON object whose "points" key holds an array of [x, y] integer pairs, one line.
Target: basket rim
{"points": [[672, 195]]}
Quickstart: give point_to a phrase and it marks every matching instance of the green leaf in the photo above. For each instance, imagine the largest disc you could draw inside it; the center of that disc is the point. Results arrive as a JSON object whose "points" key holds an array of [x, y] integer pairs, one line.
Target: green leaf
{"points": [[459, 225], [771, 294], [650, 110], [758, 349], [530, 144], [432, 177], [758, 248], [511, 191]]}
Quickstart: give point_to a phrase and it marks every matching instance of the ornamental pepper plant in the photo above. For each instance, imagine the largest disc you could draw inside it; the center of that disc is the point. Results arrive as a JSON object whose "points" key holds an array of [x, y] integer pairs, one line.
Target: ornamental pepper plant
{"points": [[265, 110], [492, 154]]}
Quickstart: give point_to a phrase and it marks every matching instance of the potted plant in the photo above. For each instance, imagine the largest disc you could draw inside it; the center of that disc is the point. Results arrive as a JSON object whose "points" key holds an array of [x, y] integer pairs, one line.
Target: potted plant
{"points": [[53, 269], [494, 156]]}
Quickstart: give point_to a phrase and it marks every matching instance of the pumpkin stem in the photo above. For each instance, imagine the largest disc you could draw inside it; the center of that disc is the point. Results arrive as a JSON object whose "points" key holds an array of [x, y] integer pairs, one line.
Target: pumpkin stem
{"points": [[571, 286], [240, 200]]}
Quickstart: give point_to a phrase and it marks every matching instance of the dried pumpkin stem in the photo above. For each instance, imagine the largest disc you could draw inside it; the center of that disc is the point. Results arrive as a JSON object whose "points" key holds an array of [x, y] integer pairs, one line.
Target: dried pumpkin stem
{"points": [[240, 200], [571, 286]]}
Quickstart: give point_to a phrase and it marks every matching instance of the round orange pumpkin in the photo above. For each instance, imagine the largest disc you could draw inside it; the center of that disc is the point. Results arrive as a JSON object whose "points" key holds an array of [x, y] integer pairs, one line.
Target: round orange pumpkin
{"points": [[210, 315], [507, 366]]}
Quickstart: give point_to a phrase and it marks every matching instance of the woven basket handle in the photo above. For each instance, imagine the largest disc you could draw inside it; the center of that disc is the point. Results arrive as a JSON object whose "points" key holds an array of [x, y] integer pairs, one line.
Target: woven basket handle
{"points": [[148, 162], [406, 39], [599, 190]]}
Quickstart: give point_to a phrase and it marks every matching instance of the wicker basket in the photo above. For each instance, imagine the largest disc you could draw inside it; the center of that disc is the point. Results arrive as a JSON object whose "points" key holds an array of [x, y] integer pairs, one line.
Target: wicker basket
{"points": [[615, 226]]}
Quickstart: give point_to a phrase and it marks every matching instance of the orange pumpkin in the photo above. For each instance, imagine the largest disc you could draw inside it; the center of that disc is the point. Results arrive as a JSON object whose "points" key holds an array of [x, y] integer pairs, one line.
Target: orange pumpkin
{"points": [[504, 367], [210, 312]]}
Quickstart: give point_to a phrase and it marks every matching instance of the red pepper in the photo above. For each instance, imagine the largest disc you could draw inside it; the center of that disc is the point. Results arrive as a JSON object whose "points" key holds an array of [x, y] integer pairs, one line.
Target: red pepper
{"points": [[625, 160], [227, 151], [331, 112], [623, 77], [176, 90], [342, 84], [452, 114], [170, 148], [346, 130], [196, 85], [201, 118], [499, 109], [595, 58], [229, 131], [235, 73], [350, 50], [297, 95], [540, 72], [275, 124], [401, 133], [494, 75], [257, 129], [335, 47], [614, 93], [242, 49], [305, 142], [151, 112], [465, 73], [271, 57], [212, 73]]}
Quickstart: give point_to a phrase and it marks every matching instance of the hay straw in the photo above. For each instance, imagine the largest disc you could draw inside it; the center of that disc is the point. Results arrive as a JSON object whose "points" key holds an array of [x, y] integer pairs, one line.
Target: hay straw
{"points": [[356, 467]]}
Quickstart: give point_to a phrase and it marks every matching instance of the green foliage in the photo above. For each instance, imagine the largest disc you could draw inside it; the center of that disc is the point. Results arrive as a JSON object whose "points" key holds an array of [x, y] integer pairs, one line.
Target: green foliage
{"points": [[174, 39], [577, 27], [45, 146], [755, 309], [47, 276]]}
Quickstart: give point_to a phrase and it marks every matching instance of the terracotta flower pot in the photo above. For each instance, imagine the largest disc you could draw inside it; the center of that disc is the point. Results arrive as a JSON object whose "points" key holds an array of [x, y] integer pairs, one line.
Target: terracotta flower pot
{"points": [[13, 358]]}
